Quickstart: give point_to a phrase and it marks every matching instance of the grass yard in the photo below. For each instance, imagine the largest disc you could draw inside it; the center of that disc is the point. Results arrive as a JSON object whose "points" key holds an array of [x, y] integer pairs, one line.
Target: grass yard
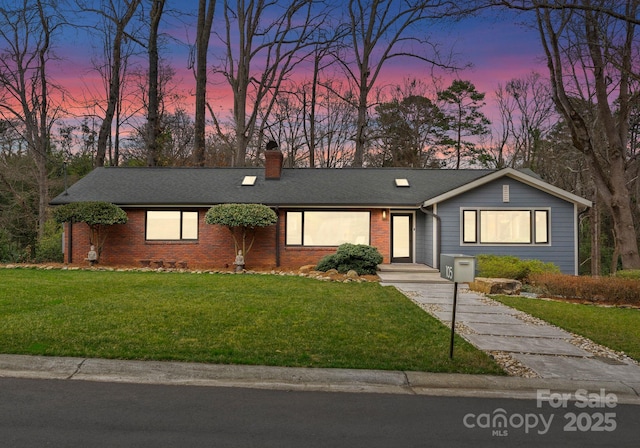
{"points": [[217, 318], [616, 328]]}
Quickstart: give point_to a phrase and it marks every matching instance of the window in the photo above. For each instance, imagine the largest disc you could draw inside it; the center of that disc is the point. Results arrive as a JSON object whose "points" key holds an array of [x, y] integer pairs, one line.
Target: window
{"points": [[469, 234], [327, 228], [172, 225], [505, 226], [542, 226], [509, 226], [294, 228]]}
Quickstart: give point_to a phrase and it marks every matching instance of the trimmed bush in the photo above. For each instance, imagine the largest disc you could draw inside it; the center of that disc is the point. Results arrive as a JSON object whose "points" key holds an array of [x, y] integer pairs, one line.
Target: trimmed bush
{"points": [[506, 266], [361, 258], [610, 290], [97, 215], [242, 219]]}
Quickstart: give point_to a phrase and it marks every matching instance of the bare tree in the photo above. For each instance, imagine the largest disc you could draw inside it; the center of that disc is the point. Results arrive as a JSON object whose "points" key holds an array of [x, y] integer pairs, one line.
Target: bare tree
{"points": [[534, 105], [116, 32], [175, 143], [334, 125], [287, 124], [590, 54], [381, 30], [526, 113], [328, 43], [171, 114], [270, 37], [26, 30], [206, 9]]}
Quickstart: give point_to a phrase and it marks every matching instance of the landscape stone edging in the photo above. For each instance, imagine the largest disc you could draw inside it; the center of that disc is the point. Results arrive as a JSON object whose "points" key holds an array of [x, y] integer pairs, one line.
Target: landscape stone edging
{"points": [[350, 277]]}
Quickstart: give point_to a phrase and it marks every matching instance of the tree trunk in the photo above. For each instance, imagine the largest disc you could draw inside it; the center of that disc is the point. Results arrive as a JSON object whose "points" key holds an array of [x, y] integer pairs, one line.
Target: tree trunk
{"points": [[611, 186], [153, 120], [240, 110], [311, 139], [42, 151], [361, 130], [626, 241], [203, 33]]}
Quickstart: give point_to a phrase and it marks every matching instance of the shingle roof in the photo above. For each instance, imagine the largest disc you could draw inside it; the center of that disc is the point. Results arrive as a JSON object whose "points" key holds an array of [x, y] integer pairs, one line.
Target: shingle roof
{"points": [[310, 187]]}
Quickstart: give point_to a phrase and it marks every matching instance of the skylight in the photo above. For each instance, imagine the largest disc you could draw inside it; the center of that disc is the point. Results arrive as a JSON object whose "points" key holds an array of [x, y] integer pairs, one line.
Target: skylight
{"points": [[249, 180], [402, 182]]}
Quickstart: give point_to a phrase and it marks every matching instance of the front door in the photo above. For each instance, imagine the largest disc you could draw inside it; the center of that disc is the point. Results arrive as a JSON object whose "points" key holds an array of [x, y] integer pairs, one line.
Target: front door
{"points": [[401, 238]]}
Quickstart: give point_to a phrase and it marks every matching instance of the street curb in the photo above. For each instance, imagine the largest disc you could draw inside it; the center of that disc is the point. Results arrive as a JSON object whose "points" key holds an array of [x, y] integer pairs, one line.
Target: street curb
{"points": [[302, 379]]}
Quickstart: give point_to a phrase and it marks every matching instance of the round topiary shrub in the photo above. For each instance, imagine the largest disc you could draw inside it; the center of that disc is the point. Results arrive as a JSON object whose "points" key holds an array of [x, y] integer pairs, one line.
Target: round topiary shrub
{"points": [[361, 258]]}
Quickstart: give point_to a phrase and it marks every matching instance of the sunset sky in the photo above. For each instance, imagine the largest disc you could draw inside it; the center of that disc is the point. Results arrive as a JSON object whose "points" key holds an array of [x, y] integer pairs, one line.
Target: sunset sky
{"points": [[499, 48]]}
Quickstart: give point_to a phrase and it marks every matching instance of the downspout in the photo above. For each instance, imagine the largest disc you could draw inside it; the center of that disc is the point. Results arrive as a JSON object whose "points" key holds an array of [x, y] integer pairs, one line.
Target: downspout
{"points": [[438, 233], [70, 242], [277, 237], [577, 240]]}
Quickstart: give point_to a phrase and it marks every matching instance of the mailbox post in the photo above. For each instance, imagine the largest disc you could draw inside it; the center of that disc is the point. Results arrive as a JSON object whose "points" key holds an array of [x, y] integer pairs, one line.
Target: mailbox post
{"points": [[457, 268]]}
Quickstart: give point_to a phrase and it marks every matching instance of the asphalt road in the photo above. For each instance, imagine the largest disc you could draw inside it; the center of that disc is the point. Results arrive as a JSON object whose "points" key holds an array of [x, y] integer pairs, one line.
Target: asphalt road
{"points": [[57, 413]]}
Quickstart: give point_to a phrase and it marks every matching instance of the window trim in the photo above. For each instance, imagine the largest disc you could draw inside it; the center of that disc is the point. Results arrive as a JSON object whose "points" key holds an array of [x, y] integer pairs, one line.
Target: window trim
{"points": [[181, 230], [475, 213], [301, 237]]}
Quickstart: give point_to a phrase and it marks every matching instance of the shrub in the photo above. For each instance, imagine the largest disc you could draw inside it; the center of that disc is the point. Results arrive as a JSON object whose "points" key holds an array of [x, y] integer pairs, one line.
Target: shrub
{"points": [[10, 251], [361, 258], [506, 266], [49, 248], [610, 290], [629, 273], [97, 215], [242, 219]]}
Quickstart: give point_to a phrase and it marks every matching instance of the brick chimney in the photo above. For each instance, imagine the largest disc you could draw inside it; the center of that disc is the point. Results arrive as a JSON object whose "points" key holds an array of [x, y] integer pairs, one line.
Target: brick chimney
{"points": [[273, 161]]}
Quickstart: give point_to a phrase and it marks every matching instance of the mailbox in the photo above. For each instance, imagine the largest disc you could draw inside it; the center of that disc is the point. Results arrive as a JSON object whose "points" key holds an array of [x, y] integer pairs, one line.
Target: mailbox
{"points": [[457, 267]]}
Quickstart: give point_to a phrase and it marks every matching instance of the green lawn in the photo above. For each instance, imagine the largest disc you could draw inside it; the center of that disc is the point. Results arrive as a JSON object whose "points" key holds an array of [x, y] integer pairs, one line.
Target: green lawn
{"points": [[616, 328], [219, 318]]}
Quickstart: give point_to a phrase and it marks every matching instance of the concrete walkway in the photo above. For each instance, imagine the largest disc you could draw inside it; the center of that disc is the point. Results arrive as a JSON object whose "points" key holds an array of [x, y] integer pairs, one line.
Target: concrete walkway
{"points": [[546, 350]]}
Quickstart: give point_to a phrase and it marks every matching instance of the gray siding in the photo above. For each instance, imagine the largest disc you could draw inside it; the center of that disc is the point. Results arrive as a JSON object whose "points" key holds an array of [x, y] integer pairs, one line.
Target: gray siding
{"points": [[560, 250], [423, 239]]}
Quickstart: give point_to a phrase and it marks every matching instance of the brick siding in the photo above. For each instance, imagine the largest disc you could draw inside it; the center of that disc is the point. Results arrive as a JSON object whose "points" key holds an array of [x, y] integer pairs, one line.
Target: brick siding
{"points": [[125, 245]]}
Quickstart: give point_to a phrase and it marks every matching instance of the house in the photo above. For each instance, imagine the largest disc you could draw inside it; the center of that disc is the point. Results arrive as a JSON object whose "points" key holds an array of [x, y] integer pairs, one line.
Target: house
{"points": [[410, 215]]}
